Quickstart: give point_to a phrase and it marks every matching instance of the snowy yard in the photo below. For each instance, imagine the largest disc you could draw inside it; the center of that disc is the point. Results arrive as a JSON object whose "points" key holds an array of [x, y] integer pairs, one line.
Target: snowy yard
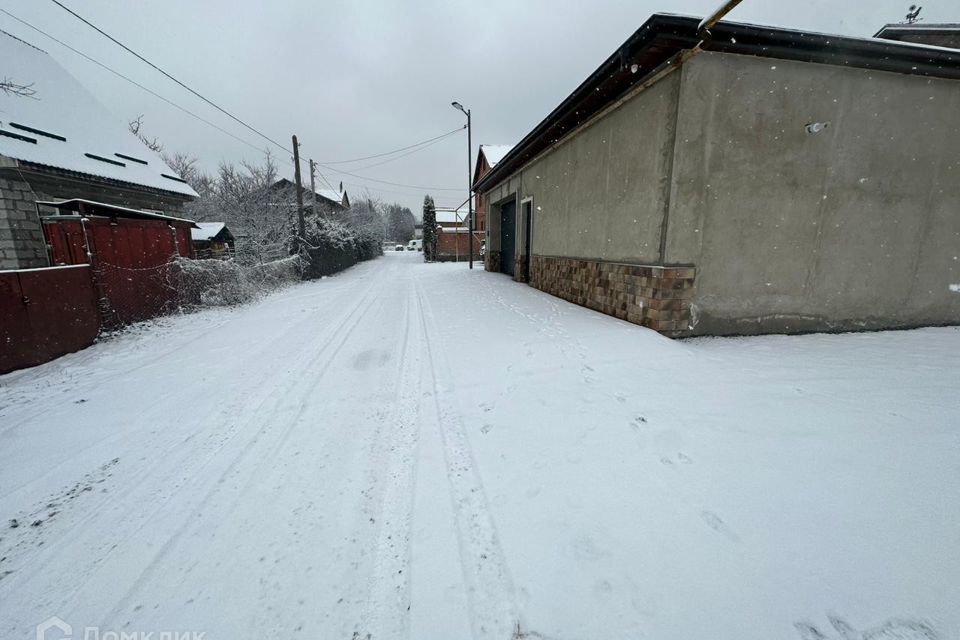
{"points": [[421, 451]]}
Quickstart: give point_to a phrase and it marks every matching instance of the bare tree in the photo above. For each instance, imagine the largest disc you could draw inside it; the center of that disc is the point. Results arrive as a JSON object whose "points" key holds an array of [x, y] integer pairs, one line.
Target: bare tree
{"points": [[136, 128], [11, 87], [260, 215]]}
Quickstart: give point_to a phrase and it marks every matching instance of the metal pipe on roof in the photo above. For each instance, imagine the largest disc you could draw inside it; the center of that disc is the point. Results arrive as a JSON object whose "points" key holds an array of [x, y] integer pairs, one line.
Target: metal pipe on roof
{"points": [[703, 29]]}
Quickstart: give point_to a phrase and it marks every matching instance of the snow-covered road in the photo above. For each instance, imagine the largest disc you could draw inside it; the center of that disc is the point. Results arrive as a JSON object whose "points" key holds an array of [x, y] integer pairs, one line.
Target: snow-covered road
{"points": [[421, 451]]}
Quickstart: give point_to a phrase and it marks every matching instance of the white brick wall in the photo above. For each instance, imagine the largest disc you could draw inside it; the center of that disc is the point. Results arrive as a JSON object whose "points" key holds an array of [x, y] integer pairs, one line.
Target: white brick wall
{"points": [[21, 238]]}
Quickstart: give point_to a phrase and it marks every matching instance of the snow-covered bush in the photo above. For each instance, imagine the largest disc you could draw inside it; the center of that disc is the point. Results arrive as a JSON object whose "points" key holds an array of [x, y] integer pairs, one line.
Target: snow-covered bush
{"points": [[332, 246], [226, 282]]}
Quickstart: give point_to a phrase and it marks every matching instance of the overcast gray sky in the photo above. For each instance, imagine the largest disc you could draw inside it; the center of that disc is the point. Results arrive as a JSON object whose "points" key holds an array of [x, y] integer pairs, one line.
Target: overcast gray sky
{"points": [[354, 78]]}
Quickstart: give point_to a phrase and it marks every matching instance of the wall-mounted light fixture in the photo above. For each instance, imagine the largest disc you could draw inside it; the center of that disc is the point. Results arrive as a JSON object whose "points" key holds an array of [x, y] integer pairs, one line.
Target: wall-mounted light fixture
{"points": [[816, 127]]}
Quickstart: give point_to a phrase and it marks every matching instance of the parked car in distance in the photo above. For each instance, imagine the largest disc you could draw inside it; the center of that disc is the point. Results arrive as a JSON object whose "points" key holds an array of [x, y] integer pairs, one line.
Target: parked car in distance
{"points": [[399, 247], [415, 245]]}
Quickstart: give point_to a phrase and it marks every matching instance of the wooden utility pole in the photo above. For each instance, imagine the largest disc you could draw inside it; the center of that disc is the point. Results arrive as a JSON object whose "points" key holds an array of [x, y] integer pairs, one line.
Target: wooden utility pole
{"points": [[313, 186], [296, 176]]}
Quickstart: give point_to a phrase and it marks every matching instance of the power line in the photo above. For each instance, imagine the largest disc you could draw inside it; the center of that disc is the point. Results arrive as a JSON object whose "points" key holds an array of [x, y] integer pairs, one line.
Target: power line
{"points": [[148, 90], [210, 102], [131, 81], [403, 155], [378, 190], [221, 109], [387, 153], [395, 184]]}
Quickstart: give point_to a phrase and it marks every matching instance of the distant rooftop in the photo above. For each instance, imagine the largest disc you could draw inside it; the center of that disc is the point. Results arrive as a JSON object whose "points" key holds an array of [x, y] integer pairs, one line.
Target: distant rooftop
{"points": [[207, 230], [331, 194], [453, 217], [946, 34], [495, 152]]}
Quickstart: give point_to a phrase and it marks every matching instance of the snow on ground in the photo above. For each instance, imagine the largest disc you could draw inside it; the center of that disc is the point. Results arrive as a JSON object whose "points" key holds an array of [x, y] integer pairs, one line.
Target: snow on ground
{"points": [[422, 451]]}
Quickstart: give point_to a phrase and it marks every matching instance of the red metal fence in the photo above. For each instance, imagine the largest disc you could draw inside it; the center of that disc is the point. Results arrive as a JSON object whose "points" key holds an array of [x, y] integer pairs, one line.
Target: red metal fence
{"points": [[131, 260], [45, 313], [108, 272]]}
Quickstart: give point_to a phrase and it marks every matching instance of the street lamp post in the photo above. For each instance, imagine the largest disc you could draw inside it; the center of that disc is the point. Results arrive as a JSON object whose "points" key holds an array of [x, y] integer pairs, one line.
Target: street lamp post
{"points": [[457, 105]]}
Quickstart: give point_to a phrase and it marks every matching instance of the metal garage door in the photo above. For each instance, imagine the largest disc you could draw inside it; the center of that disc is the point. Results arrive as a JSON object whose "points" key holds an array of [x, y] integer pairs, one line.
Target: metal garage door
{"points": [[508, 236]]}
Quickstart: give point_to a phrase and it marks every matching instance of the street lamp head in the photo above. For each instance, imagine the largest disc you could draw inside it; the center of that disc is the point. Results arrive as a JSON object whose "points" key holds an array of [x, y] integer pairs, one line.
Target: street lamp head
{"points": [[457, 105]]}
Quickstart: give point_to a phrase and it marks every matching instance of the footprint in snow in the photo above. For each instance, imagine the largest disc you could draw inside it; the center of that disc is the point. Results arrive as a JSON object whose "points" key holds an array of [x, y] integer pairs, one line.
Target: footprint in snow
{"points": [[683, 458], [716, 523], [892, 629]]}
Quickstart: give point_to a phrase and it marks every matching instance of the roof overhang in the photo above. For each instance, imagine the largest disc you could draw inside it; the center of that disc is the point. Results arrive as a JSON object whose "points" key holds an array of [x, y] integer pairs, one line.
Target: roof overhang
{"points": [[896, 31], [91, 208], [664, 36], [52, 171]]}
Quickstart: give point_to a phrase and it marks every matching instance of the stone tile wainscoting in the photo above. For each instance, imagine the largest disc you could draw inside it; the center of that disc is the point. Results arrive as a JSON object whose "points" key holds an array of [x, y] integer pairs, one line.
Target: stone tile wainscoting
{"points": [[519, 266], [491, 261], [656, 297]]}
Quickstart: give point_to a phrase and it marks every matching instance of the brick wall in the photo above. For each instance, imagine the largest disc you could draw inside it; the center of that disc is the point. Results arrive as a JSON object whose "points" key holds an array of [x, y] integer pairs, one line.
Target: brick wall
{"points": [[21, 238], [651, 296], [451, 244]]}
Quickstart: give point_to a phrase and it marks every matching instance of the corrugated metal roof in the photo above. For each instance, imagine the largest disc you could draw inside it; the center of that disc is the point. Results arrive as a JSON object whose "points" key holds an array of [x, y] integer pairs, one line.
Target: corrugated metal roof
{"points": [[93, 208]]}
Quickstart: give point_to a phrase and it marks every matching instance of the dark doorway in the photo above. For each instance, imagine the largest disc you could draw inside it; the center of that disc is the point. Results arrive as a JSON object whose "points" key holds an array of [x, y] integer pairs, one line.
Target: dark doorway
{"points": [[508, 236], [527, 208]]}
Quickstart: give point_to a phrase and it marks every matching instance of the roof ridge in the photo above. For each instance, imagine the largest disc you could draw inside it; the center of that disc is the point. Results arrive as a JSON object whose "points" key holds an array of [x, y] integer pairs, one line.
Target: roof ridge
{"points": [[33, 46]]}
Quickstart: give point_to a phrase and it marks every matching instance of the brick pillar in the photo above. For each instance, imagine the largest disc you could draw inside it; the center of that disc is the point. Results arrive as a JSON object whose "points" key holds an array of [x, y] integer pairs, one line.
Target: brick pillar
{"points": [[21, 238]]}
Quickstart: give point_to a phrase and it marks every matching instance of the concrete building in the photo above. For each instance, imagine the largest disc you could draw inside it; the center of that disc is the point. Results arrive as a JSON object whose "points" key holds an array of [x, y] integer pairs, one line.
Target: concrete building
{"points": [[938, 35], [61, 143], [770, 180]]}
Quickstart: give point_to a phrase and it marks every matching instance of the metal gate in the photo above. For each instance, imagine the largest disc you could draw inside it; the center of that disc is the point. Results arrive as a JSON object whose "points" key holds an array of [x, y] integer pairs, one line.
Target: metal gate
{"points": [[45, 313]]}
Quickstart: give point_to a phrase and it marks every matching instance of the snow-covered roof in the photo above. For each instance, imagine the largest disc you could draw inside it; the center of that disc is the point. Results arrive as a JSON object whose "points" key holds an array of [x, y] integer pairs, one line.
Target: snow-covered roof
{"points": [[94, 208], [495, 152], [331, 194], [63, 125], [207, 230], [452, 217]]}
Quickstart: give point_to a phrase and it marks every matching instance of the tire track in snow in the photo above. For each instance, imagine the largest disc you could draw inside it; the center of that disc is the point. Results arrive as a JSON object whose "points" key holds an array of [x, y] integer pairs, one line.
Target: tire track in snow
{"points": [[490, 591], [302, 391], [263, 348], [388, 600], [171, 487]]}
